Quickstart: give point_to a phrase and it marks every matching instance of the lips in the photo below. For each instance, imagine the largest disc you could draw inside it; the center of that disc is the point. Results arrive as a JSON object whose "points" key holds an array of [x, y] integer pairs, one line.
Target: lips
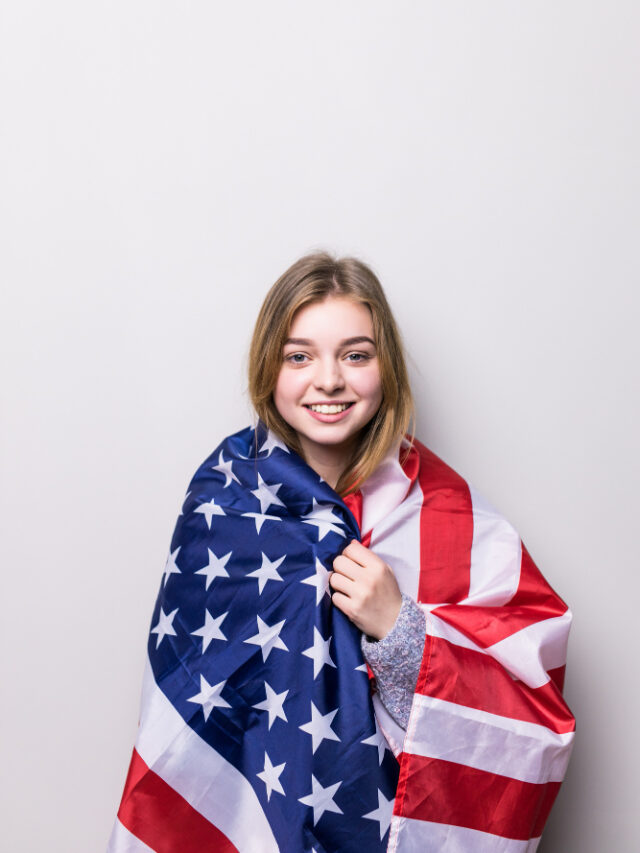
{"points": [[329, 413]]}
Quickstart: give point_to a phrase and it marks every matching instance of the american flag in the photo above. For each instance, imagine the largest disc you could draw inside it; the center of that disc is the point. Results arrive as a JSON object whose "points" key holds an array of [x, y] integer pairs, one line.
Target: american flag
{"points": [[257, 729]]}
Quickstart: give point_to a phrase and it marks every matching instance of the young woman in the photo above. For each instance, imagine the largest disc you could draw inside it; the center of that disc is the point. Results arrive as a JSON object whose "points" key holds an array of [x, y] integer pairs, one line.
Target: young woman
{"points": [[350, 649]]}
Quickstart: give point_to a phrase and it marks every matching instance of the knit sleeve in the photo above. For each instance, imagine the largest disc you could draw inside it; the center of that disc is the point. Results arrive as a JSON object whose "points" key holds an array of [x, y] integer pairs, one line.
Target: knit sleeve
{"points": [[395, 660]]}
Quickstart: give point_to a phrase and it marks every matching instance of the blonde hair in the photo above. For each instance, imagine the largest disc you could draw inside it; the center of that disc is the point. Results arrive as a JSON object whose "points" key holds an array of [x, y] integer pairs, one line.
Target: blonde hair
{"points": [[313, 278]]}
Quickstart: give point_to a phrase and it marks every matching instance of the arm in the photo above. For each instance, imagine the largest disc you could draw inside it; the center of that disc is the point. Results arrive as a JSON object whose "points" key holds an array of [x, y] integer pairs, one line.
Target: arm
{"points": [[395, 660]]}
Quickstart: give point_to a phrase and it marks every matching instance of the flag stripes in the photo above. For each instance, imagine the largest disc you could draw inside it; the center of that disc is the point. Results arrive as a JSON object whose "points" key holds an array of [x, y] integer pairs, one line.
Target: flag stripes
{"points": [[498, 744], [419, 836], [156, 814], [483, 801]]}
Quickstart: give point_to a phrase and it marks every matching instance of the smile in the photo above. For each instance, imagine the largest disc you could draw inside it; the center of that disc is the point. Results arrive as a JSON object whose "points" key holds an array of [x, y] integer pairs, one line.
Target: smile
{"points": [[329, 409]]}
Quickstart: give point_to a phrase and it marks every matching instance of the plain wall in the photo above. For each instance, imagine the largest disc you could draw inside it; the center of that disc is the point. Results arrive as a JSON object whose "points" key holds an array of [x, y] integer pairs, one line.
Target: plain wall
{"points": [[162, 163]]}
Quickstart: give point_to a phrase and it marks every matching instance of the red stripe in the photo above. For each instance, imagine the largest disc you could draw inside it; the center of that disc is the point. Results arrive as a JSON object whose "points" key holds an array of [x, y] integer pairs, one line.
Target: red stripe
{"points": [[446, 531], [454, 794], [157, 815], [471, 678]]}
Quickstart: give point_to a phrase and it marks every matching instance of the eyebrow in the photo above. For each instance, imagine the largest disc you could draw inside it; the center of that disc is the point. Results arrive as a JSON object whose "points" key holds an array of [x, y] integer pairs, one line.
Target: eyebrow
{"points": [[305, 342]]}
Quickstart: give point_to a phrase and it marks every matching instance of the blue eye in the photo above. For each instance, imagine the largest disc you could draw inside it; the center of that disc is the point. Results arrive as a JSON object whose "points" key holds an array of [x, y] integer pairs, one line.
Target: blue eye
{"points": [[355, 357], [296, 357]]}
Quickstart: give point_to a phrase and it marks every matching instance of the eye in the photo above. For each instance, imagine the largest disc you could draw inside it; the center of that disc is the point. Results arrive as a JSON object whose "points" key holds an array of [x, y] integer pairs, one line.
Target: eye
{"points": [[296, 358], [355, 357]]}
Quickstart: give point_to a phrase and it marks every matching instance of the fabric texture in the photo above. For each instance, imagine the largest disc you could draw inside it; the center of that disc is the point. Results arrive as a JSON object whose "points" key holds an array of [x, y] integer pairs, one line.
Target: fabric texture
{"points": [[258, 730], [395, 660]]}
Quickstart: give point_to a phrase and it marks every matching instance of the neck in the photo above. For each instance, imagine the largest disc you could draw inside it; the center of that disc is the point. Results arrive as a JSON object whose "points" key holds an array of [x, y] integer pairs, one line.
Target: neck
{"points": [[328, 461]]}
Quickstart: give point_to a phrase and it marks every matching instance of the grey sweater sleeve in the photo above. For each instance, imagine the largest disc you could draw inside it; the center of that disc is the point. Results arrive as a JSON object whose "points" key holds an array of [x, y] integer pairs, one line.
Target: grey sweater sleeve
{"points": [[395, 660]]}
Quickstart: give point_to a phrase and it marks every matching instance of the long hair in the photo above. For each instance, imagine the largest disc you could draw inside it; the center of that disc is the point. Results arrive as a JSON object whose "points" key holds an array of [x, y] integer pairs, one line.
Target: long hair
{"points": [[313, 278]]}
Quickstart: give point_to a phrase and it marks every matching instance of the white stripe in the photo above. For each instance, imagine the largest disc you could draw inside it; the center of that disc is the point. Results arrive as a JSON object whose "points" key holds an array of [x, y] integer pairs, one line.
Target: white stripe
{"points": [[531, 652], [420, 836], [515, 748], [384, 491], [396, 537], [122, 841], [436, 627], [200, 774], [496, 555]]}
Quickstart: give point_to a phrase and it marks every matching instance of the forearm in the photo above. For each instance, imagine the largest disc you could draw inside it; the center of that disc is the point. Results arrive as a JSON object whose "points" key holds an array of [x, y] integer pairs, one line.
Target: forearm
{"points": [[395, 660]]}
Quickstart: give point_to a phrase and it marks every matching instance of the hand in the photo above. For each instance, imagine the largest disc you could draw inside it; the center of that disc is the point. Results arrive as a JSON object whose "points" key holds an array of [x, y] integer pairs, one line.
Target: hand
{"points": [[365, 590]]}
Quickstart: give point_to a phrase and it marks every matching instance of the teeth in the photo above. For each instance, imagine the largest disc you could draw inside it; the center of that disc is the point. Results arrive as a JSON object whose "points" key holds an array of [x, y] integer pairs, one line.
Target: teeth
{"points": [[330, 410]]}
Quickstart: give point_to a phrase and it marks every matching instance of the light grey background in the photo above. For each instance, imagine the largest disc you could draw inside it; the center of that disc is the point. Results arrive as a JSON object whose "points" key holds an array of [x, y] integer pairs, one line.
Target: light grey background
{"points": [[162, 164]]}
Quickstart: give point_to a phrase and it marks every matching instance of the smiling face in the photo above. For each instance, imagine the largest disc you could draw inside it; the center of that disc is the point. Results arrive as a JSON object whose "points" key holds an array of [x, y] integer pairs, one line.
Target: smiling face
{"points": [[329, 385]]}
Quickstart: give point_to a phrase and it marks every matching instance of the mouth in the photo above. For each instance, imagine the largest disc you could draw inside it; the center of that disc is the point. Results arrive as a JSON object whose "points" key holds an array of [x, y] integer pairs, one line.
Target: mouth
{"points": [[328, 408]]}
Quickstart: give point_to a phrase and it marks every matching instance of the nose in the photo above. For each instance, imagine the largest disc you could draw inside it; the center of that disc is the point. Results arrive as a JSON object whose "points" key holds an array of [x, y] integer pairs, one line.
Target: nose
{"points": [[328, 375]]}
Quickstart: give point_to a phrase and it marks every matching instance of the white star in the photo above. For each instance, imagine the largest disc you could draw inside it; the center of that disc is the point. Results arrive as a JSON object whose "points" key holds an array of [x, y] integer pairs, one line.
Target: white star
{"points": [[319, 727], [273, 704], [268, 571], [209, 509], [362, 668], [268, 637], [271, 776], [164, 626], [320, 580], [226, 469], [323, 519], [260, 518], [321, 799], [210, 630], [170, 566], [267, 494], [215, 568], [319, 652], [377, 739], [382, 814], [209, 697], [271, 442]]}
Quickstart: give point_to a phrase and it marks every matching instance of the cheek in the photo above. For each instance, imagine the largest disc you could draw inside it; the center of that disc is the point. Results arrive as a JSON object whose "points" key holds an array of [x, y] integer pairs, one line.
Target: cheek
{"points": [[287, 388], [370, 386]]}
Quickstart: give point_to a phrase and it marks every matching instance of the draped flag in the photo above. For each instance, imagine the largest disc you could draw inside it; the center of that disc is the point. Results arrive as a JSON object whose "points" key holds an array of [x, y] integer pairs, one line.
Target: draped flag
{"points": [[258, 732]]}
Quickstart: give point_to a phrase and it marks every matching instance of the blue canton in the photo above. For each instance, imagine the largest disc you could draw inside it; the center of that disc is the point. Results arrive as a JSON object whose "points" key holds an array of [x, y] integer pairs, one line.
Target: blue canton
{"points": [[246, 645]]}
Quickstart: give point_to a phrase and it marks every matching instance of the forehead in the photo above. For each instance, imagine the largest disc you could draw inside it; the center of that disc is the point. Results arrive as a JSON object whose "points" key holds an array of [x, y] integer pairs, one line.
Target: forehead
{"points": [[334, 317]]}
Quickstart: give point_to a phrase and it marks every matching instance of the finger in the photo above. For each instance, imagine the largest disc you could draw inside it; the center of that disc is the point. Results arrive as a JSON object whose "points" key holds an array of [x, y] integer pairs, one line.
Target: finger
{"points": [[357, 552], [347, 567], [342, 602], [340, 583]]}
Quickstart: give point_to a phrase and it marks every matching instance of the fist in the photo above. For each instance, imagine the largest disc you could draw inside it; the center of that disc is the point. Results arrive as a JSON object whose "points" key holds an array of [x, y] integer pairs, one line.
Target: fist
{"points": [[365, 589]]}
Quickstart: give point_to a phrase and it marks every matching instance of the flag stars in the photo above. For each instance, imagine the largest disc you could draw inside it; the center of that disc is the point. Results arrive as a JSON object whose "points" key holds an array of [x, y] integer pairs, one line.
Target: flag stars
{"points": [[210, 630], [319, 652], [271, 776], [319, 727], [268, 638], [267, 494], [171, 567], [324, 519], [271, 443], [260, 518], [321, 799], [215, 568], [273, 704], [378, 740], [164, 626], [268, 571], [209, 697], [320, 581], [226, 469], [382, 814], [209, 509]]}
